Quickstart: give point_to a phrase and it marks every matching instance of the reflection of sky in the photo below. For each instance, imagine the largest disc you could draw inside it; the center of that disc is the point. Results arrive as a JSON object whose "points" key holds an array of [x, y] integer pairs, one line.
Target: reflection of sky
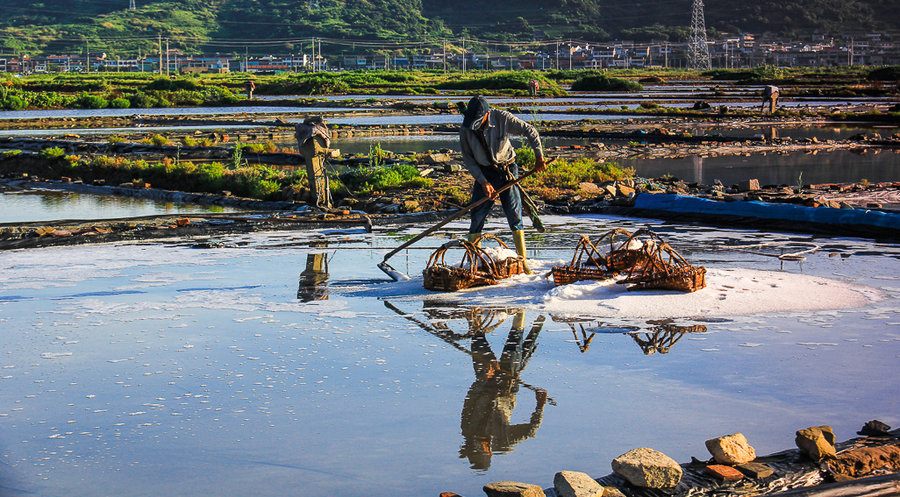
{"points": [[169, 370]]}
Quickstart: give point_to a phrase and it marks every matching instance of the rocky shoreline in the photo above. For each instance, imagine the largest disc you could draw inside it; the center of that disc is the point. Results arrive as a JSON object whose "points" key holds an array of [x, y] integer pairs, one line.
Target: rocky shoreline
{"points": [[864, 466]]}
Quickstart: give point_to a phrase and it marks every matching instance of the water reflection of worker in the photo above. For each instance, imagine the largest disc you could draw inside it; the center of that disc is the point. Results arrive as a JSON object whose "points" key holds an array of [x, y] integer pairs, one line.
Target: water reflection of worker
{"points": [[770, 96], [314, 279], [491, 400]]}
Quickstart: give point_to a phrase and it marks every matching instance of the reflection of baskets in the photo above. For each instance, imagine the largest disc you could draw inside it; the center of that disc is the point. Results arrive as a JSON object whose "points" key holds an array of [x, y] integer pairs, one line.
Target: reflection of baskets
{"points": [[589, 264], [477, 268]]}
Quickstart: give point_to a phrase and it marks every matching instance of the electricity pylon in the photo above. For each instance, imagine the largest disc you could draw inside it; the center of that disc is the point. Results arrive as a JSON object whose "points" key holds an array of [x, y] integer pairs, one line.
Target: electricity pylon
{"points": [[698, 51]]}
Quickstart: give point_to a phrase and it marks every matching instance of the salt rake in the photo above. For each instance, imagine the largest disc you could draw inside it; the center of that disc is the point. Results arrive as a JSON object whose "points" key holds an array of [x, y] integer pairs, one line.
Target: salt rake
{"points": [[398, 275]]}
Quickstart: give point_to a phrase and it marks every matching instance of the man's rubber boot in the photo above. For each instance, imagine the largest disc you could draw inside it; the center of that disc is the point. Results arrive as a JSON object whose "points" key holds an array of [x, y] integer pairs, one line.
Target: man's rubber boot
{"points": [[473, 237], [519, 240]]}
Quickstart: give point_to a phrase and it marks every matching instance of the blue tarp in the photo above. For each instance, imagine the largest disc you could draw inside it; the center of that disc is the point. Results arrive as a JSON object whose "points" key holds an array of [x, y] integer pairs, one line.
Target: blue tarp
{"points": [[763, 210]]}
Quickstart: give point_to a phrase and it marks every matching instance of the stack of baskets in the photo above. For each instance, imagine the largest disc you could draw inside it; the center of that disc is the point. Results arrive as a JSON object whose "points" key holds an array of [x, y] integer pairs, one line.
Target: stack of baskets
{"points": [[648, 261], [477, 267], [589, 263]]}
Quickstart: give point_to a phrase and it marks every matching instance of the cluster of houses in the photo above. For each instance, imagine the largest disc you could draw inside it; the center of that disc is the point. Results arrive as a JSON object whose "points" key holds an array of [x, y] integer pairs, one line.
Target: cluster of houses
{"points": [[728, 52]]}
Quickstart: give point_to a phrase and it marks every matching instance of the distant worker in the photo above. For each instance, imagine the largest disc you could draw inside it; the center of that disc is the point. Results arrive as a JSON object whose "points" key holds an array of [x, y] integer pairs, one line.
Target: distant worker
{"points": [[534, 86], [314, 138], [491, 160], [770, 96], [250, 87]]}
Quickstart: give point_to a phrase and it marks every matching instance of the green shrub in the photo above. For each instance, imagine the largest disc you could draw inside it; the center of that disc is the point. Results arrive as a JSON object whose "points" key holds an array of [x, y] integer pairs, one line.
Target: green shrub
{"points": [[13, 102], [601, 82], [52, 153], [566, 174], [140, 100], [119, 103], [367, 180], [115, 139], [88, 101], [159, 140]]}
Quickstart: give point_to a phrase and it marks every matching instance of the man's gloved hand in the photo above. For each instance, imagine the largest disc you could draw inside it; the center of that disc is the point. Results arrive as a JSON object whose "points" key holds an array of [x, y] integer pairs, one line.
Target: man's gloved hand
{"points": [[539, 164]]}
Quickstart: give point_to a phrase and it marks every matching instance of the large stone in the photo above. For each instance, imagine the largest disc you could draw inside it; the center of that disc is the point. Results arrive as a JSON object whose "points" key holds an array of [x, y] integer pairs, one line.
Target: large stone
{"points": [[817, 442], [731, 449], [576, 484], [589, 187], [625, 191], [874, 428], [748, 185], [437, 158], [724, 473], [862, 461], [755, 470], [649, 468], [512, 489]]}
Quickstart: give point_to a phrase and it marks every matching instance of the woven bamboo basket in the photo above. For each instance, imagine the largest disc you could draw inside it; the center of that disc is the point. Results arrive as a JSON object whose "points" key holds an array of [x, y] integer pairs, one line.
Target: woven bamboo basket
{"points": [[477, 267], [588, 263], [663, 268]]}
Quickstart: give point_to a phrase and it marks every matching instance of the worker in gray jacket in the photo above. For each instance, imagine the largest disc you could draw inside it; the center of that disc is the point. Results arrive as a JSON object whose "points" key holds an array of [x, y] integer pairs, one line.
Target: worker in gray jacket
{"points": [[490, 158]]}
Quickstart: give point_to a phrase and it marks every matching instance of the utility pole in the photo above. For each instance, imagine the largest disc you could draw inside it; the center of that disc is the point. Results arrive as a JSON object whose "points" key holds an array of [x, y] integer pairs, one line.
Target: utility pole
{"points": [[851, 51], [444, 43], [131, 5], [698, 50], [463, 40], [87, 55], [570, 55], [159, 45], [667, 55], [167, 57], [557, 56]]}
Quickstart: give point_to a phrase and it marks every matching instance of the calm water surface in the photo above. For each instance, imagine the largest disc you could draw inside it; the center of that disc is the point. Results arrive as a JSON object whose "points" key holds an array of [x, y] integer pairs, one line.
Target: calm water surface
{"points": [[268, 366], [48, 205]]}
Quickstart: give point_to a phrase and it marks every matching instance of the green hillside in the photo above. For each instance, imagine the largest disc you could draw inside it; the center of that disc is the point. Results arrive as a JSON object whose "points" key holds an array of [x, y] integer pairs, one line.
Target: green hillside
{"points": [[267, 26]]}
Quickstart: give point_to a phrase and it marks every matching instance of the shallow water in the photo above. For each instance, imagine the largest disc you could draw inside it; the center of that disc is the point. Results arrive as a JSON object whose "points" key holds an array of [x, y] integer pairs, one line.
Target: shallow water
{"points": [[49, 205], [840, 166], [271, 364]]}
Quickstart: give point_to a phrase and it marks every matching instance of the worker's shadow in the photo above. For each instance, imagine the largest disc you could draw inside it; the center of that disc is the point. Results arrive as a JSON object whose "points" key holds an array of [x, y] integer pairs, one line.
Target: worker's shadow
{"points": [[486, 420]]}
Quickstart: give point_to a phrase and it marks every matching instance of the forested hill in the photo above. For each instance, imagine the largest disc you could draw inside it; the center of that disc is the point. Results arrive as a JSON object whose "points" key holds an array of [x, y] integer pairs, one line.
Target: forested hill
{"points": [[222, 25]]}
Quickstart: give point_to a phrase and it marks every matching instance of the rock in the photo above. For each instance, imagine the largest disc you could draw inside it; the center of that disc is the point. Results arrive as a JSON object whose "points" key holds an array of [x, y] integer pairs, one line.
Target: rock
{"points": [[612, 492], [874, 428], [860, 462], [625, 191], [817, 442], [748, 185], [436, 158], [755, 470], [589, 187], [576, 484], [410, 205], [649, 468], [452, 168], [724, 473], [512, 489], [731, 449]]}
